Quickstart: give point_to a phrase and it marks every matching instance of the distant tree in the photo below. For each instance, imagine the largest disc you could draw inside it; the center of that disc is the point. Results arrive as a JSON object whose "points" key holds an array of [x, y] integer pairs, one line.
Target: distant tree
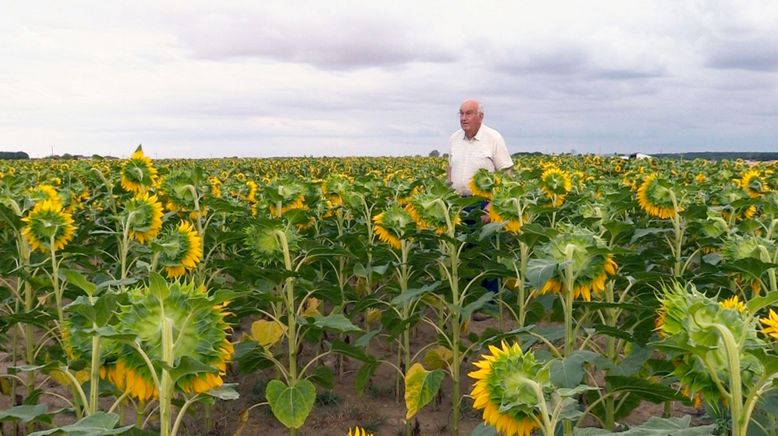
{"points": [[434, 153], [13, 155]]}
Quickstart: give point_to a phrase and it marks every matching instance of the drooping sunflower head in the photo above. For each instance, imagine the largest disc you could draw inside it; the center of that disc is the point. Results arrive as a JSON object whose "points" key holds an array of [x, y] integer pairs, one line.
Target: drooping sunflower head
{"points": [[138, 173], [283, 195], [590, 260], [44, 192], [690, 331], [655, 197], [215, 184], [334, 189], [483, 183], [201, 334], [391, 225], [143, 215], [183, 188], [738, 247], [180, 249], [48, 227], [433, 211], [556, 184], [500, 389], [265, 241], [506, 206], [753, 183]]}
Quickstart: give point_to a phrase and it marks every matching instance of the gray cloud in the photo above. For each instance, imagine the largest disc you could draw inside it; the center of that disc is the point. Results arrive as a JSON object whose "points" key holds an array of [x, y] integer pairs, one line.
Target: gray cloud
{"points": [[323, 38], [753, 55]]}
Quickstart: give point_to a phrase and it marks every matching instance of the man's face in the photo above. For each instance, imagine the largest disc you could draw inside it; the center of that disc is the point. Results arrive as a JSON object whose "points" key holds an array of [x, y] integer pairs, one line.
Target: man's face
{"points": [[470, 119]]}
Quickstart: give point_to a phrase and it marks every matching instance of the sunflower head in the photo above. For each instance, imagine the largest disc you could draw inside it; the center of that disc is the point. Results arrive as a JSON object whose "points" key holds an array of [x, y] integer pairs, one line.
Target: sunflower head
{"points": [[483, 183], [264, 241], [48, 227], [44, 192], [753, 183], [138, 173], [143, 215], [201, 334], [180, 249], [556, 184], [335, 187], [500, 389], [689, 328], [183, 188], [656, 196], [391, 225], [738, 247], [434, 211], [506, 206], [591, 262], [283, 195]]}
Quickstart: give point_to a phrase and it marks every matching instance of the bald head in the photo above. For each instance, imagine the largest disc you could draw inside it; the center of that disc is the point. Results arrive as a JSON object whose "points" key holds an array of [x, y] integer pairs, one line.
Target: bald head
{"points": [[471, 114]]}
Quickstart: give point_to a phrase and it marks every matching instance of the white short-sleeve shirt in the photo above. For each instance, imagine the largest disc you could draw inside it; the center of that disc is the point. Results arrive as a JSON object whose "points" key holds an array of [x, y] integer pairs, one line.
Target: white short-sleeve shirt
{"points": [[486, 149]]}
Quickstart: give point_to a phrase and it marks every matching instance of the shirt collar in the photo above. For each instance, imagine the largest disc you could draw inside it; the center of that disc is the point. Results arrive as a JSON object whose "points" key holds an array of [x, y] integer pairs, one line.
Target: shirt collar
{"points": [[476, 137]]}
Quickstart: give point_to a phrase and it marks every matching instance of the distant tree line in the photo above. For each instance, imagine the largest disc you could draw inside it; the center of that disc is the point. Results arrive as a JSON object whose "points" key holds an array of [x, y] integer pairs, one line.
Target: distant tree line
{"points": [[715, 155], [13, 155]]}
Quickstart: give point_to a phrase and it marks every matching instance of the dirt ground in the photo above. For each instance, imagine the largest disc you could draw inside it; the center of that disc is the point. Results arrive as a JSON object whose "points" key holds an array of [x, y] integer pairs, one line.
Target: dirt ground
{"points": [[336, 411], [377, 410]]}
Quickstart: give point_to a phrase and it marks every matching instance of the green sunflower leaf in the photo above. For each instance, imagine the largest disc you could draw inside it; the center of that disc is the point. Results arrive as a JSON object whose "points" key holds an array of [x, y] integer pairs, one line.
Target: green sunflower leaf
{"points": [[335, 322], [291, 404], [77, 279], [100, 423], [158, 286], [26, 413]]}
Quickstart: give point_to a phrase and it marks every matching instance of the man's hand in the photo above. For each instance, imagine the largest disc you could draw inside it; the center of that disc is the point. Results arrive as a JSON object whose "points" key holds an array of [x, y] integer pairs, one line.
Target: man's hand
{"points": [[485, 216]]}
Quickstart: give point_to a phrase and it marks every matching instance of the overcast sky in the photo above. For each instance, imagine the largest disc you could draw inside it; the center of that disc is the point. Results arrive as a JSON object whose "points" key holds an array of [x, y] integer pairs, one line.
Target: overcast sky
{"points": [[338, 78]]}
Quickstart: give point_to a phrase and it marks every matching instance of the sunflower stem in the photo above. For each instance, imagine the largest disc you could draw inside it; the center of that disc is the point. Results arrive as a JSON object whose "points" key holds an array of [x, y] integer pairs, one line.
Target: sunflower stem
{"points": [[568, 303], [94, 376], [739, 420], [291, 315], [166, 383], [55, 285]]}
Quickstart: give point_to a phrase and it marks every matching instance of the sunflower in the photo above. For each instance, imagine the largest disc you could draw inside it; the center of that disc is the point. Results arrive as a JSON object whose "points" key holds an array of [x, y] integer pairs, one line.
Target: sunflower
{"points": [[590, 263], [656, 199], [215, 184], [505, 206], [556, 184], [770, 324], [45, 192], [144, 217], [358, 431], [739, 247], [47, 223], [263, 242], [138, 173], [483, 183], [390, 225], [432, 212], [335, 188], [695, 346], [201, 335], [284, 195], [752, 183], [180, 249], [508, 403]]}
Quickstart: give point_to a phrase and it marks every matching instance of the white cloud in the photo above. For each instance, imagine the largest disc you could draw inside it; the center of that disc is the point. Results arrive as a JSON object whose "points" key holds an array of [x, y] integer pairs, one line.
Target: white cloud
{"points": [[338, 77]]}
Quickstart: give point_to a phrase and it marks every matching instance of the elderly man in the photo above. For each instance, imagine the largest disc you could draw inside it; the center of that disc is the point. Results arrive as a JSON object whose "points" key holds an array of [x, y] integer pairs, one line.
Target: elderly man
{"points": [[473, 147]]}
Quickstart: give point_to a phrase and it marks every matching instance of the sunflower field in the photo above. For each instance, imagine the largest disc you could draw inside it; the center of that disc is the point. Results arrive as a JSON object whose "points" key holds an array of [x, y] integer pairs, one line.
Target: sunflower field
{"points": [[138, 296]]}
